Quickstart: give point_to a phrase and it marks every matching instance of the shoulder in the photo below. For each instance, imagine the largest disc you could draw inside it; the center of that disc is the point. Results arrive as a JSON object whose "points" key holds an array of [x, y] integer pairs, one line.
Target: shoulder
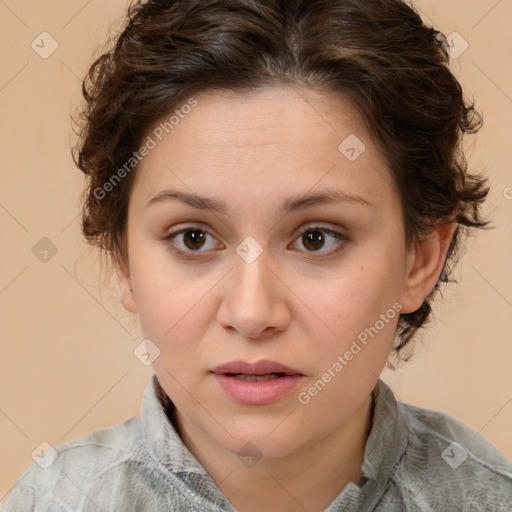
{"points": [[453, 461], [64, 471]]}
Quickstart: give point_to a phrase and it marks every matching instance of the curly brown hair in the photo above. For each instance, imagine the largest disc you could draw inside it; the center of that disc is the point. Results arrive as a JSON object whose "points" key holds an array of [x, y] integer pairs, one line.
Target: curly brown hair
{"points": [[378, 54]]}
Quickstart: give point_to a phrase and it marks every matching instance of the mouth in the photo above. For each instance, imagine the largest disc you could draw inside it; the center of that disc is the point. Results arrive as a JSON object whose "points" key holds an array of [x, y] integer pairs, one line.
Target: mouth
{"points": [[260, 383], [249, 377], [263, 368]]}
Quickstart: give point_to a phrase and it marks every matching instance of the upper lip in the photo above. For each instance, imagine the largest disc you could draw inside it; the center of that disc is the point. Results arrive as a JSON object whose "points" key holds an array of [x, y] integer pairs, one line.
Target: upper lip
{"points": [[262, 367]]}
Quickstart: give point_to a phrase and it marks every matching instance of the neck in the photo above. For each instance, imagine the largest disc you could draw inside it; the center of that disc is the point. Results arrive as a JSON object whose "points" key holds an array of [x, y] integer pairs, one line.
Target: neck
{"points": [[312, 476]]}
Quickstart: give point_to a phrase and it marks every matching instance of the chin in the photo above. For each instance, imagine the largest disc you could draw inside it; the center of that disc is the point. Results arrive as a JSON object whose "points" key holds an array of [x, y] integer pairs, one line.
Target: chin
{"points": [[257, 443]]}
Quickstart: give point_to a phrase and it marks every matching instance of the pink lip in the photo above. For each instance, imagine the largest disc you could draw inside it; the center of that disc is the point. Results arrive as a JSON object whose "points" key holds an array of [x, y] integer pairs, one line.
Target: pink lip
{"points": [[262, 367], [256, 392]]}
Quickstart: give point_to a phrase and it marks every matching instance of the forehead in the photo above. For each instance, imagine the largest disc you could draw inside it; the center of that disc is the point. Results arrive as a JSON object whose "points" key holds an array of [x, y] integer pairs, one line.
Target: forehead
{"points": [[258, 118], [267, 142]]}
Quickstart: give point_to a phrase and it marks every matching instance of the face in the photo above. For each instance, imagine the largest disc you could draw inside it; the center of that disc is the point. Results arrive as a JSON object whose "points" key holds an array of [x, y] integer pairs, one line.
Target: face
{"points": [[317, 287]]}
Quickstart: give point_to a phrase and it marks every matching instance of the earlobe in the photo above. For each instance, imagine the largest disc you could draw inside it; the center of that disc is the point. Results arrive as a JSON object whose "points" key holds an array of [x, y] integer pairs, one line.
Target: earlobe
{"points": [[424, 266], [125, 286]]}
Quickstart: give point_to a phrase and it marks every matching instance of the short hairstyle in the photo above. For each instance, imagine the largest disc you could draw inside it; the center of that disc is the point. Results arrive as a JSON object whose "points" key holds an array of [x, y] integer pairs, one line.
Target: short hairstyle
{"points": [[378, 55]]}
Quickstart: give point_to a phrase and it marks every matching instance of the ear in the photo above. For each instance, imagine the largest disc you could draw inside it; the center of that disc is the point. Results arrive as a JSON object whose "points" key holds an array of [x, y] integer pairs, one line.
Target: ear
{"points": [[424, 267], [125, 286]]}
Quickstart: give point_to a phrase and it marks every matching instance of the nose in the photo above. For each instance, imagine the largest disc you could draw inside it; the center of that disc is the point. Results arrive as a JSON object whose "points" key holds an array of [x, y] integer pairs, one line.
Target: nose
{"points": [[254, 299]]}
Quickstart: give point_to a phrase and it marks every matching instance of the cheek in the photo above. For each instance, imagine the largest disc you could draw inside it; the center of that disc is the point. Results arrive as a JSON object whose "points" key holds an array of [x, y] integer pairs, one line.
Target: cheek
{"points": [[359, 294], [169, 299], [175, 307], [360, 306]]}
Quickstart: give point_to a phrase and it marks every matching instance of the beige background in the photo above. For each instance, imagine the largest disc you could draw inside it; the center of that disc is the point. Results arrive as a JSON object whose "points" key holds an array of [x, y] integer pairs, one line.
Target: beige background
{"points": [[67, 363]]}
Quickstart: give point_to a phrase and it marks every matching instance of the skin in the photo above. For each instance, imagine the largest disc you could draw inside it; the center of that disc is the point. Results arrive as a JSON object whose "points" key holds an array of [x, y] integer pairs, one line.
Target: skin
{"points": [[299, 303]]}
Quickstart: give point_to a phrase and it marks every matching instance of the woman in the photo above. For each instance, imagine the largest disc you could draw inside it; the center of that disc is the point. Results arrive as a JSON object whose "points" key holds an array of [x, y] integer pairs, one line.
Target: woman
{"points": [[280, 188]]}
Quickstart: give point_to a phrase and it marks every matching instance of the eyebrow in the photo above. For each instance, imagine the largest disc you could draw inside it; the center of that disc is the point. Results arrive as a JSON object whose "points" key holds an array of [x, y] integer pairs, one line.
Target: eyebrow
{"points": [[289, 205]]}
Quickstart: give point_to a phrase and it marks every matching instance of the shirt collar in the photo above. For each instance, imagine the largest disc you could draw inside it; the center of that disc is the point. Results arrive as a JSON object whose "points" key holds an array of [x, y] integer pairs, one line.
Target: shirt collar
{"points": [[385, 445], [161, 437], [388, 436]]}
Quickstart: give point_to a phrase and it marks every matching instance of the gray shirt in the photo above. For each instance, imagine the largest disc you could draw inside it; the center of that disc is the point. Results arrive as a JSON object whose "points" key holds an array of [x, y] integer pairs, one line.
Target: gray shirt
{"points": [[415, 460]]}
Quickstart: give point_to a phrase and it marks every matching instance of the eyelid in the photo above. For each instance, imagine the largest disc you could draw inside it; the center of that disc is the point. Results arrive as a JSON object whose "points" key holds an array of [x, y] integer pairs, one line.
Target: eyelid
{"points": [[314, 226], [183, 229], [318, 226]]}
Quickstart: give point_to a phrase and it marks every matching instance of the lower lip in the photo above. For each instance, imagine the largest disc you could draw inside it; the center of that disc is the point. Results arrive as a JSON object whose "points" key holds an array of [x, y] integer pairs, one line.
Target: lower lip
{"points": [[257, 392]]}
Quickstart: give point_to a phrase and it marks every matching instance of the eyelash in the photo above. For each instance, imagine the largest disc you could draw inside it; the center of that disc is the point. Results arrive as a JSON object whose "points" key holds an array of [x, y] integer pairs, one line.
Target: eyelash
{"points": [[310, 228]]}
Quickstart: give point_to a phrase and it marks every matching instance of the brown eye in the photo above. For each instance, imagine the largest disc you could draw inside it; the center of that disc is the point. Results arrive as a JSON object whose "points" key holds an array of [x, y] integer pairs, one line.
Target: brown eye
{"points": [[315, 238], [190, 240], [193, 239]]}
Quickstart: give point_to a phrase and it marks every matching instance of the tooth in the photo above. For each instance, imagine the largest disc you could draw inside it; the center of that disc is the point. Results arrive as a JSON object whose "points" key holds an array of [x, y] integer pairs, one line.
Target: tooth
{"points": [[256, 377]]}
